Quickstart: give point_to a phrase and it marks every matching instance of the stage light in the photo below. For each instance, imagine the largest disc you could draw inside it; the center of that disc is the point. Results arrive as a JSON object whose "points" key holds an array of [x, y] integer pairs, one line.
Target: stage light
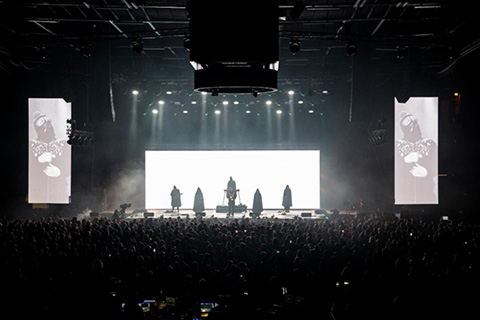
{"points": [[401, 52], [137, 45], [300, 102], [325, 91], [268, 102], [135, 92], [185, 111], [161, 102], [194, 102], [248, 111], [154, 111], [235, 102], [85, 48], [456, 94], [351, 49], [204, 93], [217, 112], [294, 46], [169, 92], [279, 111], [291, 92], [187, 44], [225, 103], [310, 111]]}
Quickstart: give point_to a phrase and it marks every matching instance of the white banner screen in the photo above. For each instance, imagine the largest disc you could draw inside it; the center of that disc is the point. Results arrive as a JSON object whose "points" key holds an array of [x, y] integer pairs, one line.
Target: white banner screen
{"points": [[416, 151], [50, 157], [268, 171]]}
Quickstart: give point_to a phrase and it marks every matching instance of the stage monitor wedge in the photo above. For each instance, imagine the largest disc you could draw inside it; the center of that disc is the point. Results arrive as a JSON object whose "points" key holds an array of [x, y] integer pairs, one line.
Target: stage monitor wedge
{"points": [[234, 45]]}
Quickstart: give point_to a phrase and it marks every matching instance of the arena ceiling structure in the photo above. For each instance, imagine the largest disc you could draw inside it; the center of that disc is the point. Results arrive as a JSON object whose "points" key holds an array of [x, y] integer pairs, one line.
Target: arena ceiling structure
{"points": [[312, 33]]}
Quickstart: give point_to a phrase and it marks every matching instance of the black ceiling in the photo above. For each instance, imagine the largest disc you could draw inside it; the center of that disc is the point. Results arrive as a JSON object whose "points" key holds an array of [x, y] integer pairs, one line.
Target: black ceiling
{"points": [[439, 32]]}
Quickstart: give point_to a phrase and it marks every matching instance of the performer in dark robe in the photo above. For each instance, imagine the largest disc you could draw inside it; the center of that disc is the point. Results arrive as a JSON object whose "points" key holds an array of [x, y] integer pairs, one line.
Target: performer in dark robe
{"points": [[287, 199], [257, 203], [198, 204], [176, 200], [232, 195]]}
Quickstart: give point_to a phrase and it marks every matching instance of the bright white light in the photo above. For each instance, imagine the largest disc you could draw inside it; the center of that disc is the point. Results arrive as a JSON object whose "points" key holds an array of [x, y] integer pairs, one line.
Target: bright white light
{"points": [[268, 102], [135, 92], [291, 92], [325, 91], [235, 102], [248, 111], [154, 111], [194, 102], [185, 111], [250, 169], [169, 92], [310, 111], [279, 111], [204, 93], [300, 102], [217, 111], [225, 103], [161, 102]]}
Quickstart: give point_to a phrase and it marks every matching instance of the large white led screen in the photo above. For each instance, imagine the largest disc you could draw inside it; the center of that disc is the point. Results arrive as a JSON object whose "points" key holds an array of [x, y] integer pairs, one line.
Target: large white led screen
{"points": [[416, 151], [50, 156], [268, 171]]}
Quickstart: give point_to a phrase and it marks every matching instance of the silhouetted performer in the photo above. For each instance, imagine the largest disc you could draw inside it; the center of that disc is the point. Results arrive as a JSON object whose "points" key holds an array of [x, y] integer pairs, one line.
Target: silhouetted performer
{"points": [[416, 162], [257, 203], [287, 199], [232, 195], [176, 201], [198, 205]]}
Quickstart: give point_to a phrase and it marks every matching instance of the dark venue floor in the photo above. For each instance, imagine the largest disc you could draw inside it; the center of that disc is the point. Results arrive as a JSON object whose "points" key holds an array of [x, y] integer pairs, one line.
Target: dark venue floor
{"points": [[346, 268]]}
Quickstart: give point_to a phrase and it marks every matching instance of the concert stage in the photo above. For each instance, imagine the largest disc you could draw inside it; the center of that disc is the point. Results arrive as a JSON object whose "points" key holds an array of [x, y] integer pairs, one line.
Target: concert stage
{"points": [[323, 214]]}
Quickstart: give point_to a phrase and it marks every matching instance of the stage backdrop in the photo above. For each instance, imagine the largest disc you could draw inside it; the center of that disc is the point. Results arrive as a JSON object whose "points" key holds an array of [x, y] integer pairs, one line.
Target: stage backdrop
{"points": [[269, 171], [416, 151], [49, 162]]}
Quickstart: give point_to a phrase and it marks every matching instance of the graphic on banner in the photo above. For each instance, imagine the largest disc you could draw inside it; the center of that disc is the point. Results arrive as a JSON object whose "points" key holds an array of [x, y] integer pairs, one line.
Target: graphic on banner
{"points": [[49, 162], [416, 151]]}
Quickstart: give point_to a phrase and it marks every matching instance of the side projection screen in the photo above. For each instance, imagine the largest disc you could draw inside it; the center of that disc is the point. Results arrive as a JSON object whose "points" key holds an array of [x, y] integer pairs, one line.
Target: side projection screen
{"points": [[416, 151], [268, 171], [50, 157]]}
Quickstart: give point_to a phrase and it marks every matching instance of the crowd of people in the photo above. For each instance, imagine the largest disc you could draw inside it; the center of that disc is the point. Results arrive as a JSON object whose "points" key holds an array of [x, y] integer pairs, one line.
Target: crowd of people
{"points": [[376, 268]]}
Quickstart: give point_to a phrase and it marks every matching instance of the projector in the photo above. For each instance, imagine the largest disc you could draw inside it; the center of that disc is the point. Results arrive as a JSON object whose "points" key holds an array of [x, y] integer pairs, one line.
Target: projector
{"points": [[233, 46]]}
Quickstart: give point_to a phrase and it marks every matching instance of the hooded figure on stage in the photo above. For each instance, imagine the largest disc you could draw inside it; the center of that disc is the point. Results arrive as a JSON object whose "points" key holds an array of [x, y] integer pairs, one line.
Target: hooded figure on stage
{"points": [[176, 201], [232, 195], [257, 203], [198, 205], [287, 198]]}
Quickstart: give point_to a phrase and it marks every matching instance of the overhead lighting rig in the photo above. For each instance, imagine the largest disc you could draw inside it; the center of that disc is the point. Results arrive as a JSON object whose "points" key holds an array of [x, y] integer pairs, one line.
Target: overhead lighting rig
{"points": [[77, 137]]}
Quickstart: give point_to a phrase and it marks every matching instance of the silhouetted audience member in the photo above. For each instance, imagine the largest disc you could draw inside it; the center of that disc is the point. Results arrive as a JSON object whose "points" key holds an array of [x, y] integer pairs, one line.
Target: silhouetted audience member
{"points": [[369, 267]]}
